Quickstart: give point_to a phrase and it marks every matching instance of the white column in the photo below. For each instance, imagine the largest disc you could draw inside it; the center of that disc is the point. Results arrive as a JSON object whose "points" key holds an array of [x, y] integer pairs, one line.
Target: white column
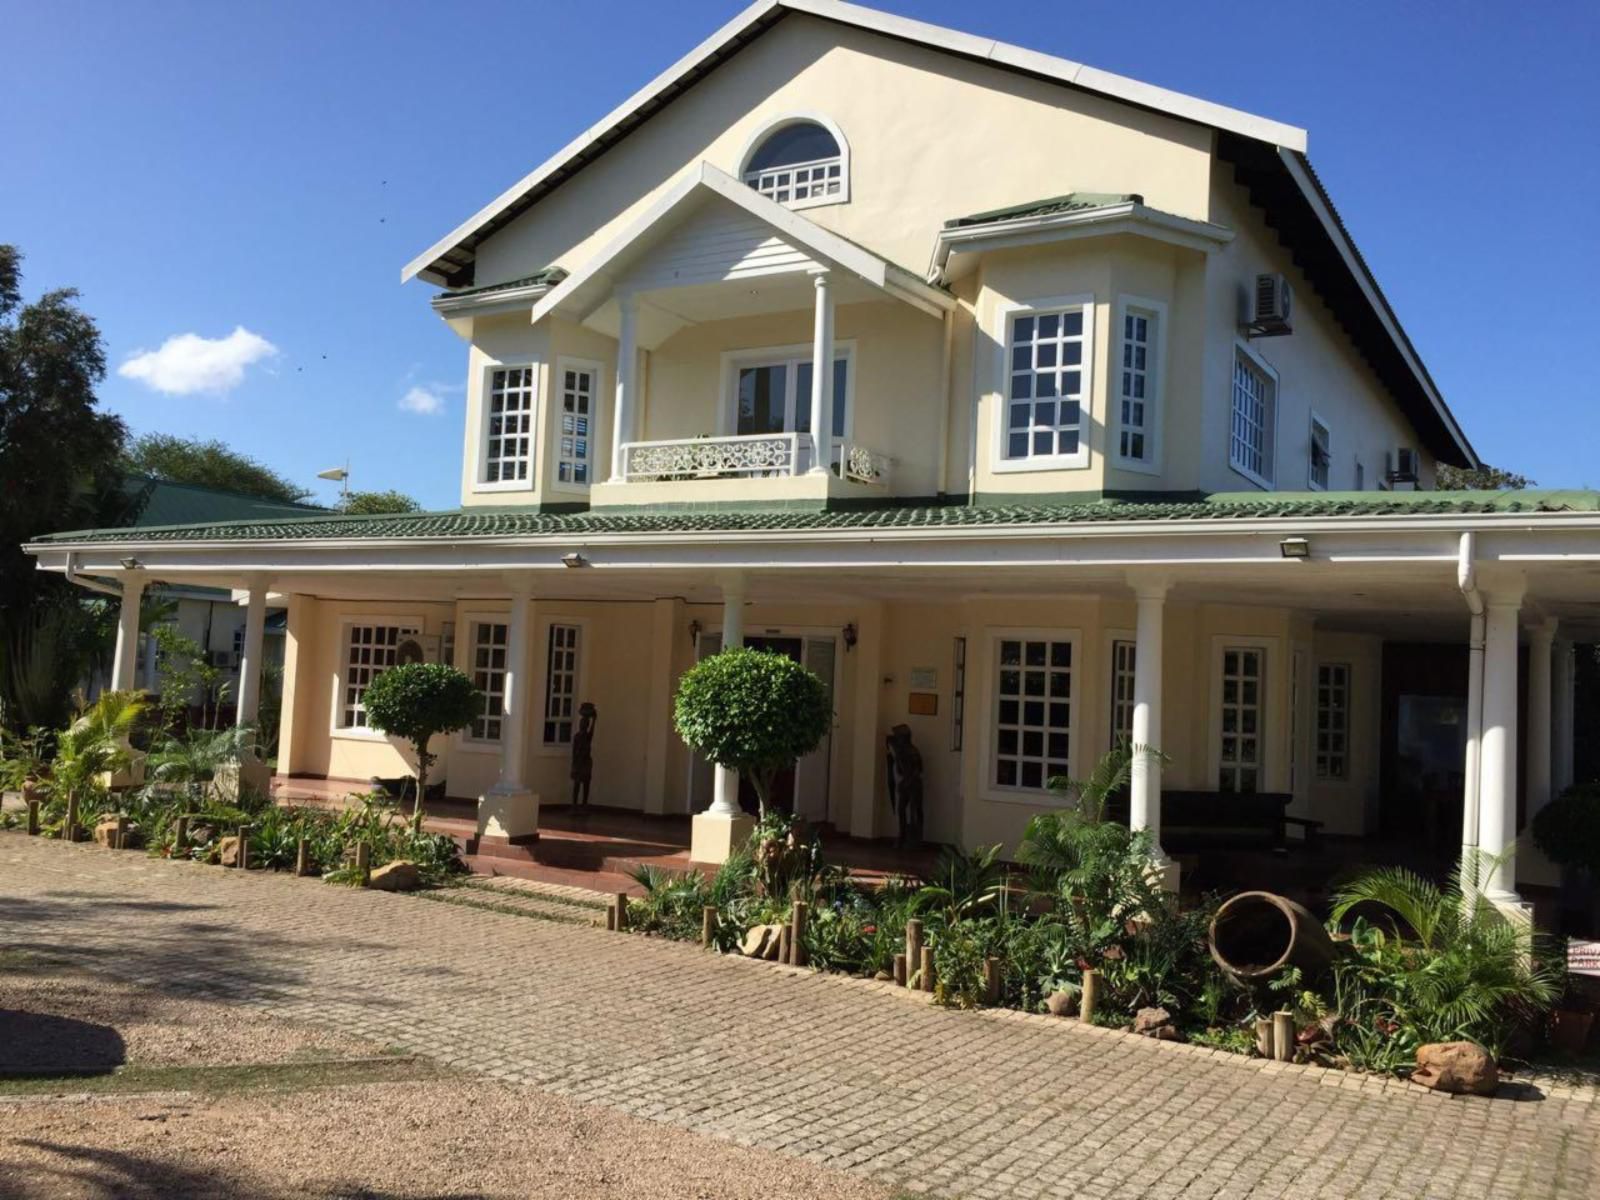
{"points": [[1562, 717], [1497, 794], [822, 375], [509, 811], [725, 797], [127, 632], [1472, 774], [255, 622], [1144, 810], [627, 384]]}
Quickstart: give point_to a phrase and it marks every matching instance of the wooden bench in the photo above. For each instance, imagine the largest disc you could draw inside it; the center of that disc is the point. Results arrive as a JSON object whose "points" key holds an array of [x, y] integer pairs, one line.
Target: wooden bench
{"points": [[1213, 818]]}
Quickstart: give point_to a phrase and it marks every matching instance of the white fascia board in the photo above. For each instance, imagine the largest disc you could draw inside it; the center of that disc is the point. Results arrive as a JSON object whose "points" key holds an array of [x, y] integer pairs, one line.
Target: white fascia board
{"points": [[937, 37], [1295, 164], [488, 303], [1138, 219]]}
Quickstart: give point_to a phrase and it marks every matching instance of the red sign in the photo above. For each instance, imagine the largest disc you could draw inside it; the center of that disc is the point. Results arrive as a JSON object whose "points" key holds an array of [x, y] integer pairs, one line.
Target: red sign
{"points": [[1583, 958]]}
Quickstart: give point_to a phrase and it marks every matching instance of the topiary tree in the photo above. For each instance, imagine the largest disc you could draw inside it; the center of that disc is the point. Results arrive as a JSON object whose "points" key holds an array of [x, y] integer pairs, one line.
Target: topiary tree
{"points": [[415, 701], [753, 711]]}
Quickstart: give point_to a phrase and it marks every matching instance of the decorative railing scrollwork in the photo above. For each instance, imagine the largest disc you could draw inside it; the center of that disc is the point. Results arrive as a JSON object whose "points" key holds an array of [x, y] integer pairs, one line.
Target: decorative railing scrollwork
{"points": [[756, 456]]}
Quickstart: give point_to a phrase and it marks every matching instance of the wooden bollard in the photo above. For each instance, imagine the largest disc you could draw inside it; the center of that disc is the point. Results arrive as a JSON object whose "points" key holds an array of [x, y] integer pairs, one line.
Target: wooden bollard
{"points": [[783, 943], [913, 949], [1283, 1036], [1264, 1037], [364, 862], [180, 835], [708, 925], [244, 847], [33, 818], [621, 904], [926, 973], [69, 830], [302, 857], [119, 841], [611, 918], [797, 932], [991, 981], [899, 970], [1090, 997]]}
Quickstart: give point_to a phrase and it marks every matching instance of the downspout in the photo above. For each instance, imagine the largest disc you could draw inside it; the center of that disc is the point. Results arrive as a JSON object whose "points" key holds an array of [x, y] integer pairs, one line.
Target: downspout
{"points": [[946, 392], [83, 581], [1467, 581]]}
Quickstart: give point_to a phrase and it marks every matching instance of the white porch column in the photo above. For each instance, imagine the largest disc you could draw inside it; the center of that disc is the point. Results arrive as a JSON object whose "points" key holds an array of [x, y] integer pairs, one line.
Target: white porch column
{"points": [[509, 811], [724, 827], [127, 632], [1472, 772], [822, 375], [255, 622], [627, 382], [1562, 722], [1144, 810], [1534, 866], [1497, 794]]}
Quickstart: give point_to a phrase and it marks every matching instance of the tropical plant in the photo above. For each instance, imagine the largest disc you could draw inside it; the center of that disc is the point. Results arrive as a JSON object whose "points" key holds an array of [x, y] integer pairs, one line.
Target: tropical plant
{"points": [[95, 744], [22, 758], [964, 882], [673, 902], [195, 760], [783, 855], [415, 701], [1448, 968], [1568, 828], [186, 671], [754, 712]]}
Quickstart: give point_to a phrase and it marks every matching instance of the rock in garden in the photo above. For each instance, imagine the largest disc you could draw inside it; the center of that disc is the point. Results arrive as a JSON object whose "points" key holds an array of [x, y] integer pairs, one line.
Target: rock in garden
{"points": [[398, 876], [228, 852], [105, 832], [755, 942], [1150, 1022], [1062, 1004], [1464, 1068]]}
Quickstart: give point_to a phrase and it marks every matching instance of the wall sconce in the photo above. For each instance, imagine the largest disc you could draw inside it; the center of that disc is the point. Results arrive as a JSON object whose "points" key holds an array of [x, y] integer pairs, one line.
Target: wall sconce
{"points": [[130, 564], [1295, 547], [573, 559], [850, 636], [694, 631]]}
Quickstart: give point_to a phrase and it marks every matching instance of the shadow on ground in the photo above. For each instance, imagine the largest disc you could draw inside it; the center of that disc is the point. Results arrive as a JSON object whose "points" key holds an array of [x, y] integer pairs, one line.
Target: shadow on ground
{"points": [[39, 1045]]}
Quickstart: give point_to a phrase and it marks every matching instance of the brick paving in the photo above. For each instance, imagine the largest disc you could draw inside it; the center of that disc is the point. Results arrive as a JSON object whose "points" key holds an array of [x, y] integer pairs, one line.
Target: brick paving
{"points": [[841, 1072]]}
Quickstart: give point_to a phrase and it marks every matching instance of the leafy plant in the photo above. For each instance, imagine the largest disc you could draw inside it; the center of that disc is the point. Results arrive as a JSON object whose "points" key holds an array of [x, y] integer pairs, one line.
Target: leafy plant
{"points": [[965, 882], [95, 744], [1568, 828], [672, 902], [194, 760], [783, 856], [752, 711], [415, 701]]}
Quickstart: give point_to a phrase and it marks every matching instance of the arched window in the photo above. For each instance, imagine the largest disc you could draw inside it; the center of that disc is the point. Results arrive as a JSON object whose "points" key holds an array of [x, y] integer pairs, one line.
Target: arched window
{"points": [[799, 163]]}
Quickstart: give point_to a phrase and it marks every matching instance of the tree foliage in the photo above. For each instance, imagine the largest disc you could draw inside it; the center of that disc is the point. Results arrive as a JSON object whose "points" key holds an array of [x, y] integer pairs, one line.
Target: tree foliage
{"points": [[1483, 479], [415, 701], [58, 470], [208, 464], [753, 711], [362, 504]]}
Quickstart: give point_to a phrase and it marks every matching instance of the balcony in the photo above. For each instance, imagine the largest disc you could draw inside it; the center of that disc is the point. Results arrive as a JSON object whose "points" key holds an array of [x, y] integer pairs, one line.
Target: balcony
{"points": [[753, 467]]}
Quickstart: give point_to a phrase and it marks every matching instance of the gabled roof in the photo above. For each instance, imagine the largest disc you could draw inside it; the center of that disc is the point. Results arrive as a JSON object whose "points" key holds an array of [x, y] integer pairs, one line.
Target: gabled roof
{"points": [[162, 502], [450, 260], [499, 523], [1054, 206]]}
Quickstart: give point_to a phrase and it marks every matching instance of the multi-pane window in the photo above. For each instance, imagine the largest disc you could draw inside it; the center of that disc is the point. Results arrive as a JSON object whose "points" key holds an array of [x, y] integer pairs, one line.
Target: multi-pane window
{"points": [[799, 163], [1242, 680], [561, 685], [1122, 655], [1321, 454], [1333, 720], [1137, 385], [1250, 434], [370, 650], [489, 677], [508, 444], [578, 399], [1047, 381], [1033, 712]]}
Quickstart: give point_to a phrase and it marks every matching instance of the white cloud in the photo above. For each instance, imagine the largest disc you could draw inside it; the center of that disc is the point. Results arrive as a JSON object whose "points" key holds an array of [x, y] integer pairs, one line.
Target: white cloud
{"points": [[188, 363], [424, 400]]}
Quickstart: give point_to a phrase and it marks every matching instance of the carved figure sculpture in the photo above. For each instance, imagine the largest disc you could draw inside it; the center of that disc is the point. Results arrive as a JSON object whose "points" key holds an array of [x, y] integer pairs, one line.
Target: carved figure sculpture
{"points": [[583, 752], [905, 784]]}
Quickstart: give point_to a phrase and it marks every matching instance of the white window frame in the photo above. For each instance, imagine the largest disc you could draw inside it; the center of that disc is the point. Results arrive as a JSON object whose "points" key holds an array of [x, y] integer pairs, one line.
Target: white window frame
{"points": [[762, 132], [557, 407], [413, 623], [1001, 333], [486, 388], [1320, 759], [1114, 637], [470, 669], [789, 357], [541, 696], [1270, 736], [988, 731], [1155, 382], [1269, 450], [1311, 451]]}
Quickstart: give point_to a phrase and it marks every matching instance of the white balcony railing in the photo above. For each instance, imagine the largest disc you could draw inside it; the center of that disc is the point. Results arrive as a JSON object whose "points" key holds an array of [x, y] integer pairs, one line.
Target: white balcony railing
{"points": [[748, 456]]}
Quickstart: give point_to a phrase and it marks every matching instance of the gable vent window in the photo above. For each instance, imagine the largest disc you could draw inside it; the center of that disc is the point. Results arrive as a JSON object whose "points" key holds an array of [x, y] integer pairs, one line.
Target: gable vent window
{"points": [[799, 164]]}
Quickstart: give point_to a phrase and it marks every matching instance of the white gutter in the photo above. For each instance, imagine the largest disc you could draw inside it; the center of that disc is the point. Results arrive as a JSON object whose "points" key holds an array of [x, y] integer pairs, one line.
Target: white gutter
{"points": [[1467, 581], [93, 585], [946, 393]]}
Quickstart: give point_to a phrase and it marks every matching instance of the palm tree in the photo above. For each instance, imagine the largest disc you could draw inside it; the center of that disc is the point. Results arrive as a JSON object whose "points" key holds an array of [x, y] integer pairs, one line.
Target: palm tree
{"points": [[195, 760], [95, 744]]}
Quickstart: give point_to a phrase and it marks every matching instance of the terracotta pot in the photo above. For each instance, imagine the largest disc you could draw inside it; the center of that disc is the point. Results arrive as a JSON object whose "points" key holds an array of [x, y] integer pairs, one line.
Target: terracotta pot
{"points": [[1570, 1029]]}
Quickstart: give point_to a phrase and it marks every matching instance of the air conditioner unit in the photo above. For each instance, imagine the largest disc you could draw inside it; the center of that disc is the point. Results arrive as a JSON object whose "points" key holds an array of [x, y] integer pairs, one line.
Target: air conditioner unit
{"points": [[417, 648], [223, 659], [1271, 304], [1403, 465]]}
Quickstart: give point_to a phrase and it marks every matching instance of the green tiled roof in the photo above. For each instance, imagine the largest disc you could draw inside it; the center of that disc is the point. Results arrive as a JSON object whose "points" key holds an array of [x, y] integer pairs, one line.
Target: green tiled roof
{"points": [[499, 522], [548, 277], [163, 502], [1071, 202]]}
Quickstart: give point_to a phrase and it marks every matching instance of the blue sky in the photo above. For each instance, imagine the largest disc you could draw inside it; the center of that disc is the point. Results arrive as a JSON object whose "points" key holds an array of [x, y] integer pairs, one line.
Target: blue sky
{"points": [[199, 168]]}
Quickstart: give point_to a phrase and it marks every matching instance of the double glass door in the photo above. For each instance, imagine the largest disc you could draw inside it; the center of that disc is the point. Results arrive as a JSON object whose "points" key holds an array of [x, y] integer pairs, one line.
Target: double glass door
{"points": [[775, 397]]}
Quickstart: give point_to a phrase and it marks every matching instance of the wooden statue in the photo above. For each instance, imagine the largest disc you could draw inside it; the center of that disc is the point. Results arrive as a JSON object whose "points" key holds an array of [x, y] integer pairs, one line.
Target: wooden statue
{"points": [[583, 752], [905, 784]]}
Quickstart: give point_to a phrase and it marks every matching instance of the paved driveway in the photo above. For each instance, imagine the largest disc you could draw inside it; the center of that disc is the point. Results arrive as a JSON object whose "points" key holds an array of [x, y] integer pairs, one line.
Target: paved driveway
{"points": [[842, 1072]]}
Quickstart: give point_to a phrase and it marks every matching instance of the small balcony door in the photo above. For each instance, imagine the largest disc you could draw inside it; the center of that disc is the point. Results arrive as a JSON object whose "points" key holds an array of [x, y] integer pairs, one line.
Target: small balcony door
{"points": [[774, 396]]}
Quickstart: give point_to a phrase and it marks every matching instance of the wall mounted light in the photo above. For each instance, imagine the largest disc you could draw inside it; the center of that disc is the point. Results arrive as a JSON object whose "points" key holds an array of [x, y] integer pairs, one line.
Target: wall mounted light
{"points": [[130, 564], [573, 559], [1295, 547], [850, 636]]}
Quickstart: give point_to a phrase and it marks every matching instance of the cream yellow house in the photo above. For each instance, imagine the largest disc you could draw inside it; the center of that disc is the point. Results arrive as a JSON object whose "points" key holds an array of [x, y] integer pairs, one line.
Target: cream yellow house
{"points": [[1029, 405]]}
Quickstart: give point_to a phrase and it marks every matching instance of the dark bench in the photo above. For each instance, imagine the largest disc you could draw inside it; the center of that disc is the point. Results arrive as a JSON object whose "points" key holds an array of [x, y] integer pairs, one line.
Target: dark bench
{"points": [[1215, 818]]}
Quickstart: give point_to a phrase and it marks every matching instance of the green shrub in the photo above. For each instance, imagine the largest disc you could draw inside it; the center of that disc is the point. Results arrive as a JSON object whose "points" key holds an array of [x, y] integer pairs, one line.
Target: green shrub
{"points": [[1568, 828], [415, 701]]}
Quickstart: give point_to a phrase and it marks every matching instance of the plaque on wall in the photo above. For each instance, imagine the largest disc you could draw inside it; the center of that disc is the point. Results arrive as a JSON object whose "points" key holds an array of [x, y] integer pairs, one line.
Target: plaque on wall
{"points": [[924, 679], [923, 704]]}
